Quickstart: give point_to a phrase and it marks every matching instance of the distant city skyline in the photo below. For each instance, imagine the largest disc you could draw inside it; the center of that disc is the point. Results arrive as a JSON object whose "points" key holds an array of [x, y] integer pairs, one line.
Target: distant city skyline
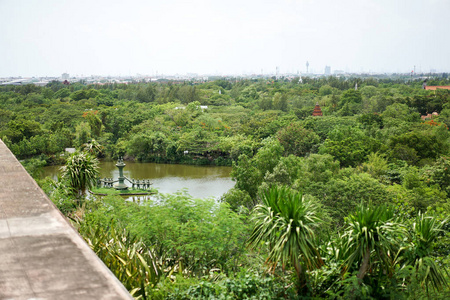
{"points": [[116, 38]]}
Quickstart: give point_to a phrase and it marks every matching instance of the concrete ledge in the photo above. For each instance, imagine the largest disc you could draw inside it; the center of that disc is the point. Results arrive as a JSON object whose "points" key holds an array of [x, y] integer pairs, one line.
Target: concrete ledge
{"points": [[41, 255]]}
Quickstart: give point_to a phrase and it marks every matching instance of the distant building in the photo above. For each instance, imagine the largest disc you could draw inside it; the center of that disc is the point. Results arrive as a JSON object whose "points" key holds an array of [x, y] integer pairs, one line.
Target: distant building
{"points": [[327, 70], [317, 111], [437, 87], [65, 76], [430, 116], [70, 150]]}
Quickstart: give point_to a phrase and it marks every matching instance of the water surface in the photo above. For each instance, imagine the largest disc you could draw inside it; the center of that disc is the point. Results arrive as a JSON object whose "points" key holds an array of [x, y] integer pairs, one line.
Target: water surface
{"points": [[200, 181]]}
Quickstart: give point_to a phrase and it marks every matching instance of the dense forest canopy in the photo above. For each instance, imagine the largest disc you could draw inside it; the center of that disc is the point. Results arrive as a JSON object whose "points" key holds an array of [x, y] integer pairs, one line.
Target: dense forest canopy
{"points": [[160, 121], [376, 161]]}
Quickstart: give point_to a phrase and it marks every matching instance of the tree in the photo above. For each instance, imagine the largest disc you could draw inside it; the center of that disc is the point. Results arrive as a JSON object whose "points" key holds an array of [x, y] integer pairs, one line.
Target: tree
{"points": [[238, 199], [80, 171], [350, 102], [424, 143], [265, 102], [21, 128], [248, 94], [62, 93], [249, 172], [369, 240], [280, 102], [95, 123], [297, 140], [82, 134], [247, 176], [349, 145], [342, 194], [147, 146], [146, 94], [286, 221], [401, 112], [236, 145], [285, 172]]}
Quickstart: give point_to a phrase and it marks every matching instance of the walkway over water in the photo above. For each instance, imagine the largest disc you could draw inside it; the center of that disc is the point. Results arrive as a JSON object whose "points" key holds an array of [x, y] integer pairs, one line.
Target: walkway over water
{"points": [[41, 255]]}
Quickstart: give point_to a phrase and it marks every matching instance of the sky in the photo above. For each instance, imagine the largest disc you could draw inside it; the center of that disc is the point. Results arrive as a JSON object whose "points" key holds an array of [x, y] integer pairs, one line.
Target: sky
{"points": [[168, 37]]}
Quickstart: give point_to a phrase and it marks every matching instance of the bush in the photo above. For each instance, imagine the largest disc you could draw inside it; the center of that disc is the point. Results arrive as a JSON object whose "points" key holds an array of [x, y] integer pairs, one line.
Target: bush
{"points": [[244, 285], [192, 235]]}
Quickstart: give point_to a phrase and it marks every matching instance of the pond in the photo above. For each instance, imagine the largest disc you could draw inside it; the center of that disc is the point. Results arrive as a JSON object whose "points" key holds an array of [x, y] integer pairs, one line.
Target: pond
{"points": [[200, 181]]}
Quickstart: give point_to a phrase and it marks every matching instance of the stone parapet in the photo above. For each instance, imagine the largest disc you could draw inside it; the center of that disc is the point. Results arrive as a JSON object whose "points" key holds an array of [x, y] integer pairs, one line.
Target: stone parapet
{"points": [[41, 255]]}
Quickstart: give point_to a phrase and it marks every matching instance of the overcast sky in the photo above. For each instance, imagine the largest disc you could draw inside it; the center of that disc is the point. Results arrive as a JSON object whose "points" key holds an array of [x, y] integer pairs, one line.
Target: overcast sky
{"points": [[47, 38]]}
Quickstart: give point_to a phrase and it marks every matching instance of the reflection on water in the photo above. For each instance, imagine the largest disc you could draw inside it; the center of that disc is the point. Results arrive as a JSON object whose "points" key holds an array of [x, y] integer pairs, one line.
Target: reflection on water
{"points": [[200, 181]]}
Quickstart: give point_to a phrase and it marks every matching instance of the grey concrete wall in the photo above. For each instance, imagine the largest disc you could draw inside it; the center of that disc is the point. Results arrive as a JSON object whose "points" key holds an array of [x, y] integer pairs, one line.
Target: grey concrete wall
{"points": [[41, 255]]}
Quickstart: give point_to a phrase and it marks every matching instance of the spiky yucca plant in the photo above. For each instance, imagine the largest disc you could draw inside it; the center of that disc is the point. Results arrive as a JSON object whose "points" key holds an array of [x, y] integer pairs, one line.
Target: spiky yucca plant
{"points": [[370, 239], [286, 221], [131, 261], [424, 232], [81, 171]]}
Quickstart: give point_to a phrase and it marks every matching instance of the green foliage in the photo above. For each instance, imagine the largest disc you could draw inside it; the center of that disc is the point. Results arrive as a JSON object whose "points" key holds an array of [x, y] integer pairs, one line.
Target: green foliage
{"points": [[317, 168], [425, 231], [285, 172], [349, 145], [373, 119], [236, 145], [61, 195], [297, 140], [238, 200], [401, 112], [193, 236], [82, 134], [244, 285], [81, 171], [147, 146], [257, 124], [20, 129], [84, 94], [342, 195], [62, 93], [249, 172], [350, 103], [94, 148], [34, 166], [248, 94], [130, 260], [438, 173], [416, 145], [286, 221], [324, 125], [246, 175], [376, 165], [370, 240]]}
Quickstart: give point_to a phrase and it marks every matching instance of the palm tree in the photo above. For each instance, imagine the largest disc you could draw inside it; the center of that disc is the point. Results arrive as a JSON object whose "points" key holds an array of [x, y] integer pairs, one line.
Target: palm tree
{"points": [[286, 220], [369, 240], [81, 171]]}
